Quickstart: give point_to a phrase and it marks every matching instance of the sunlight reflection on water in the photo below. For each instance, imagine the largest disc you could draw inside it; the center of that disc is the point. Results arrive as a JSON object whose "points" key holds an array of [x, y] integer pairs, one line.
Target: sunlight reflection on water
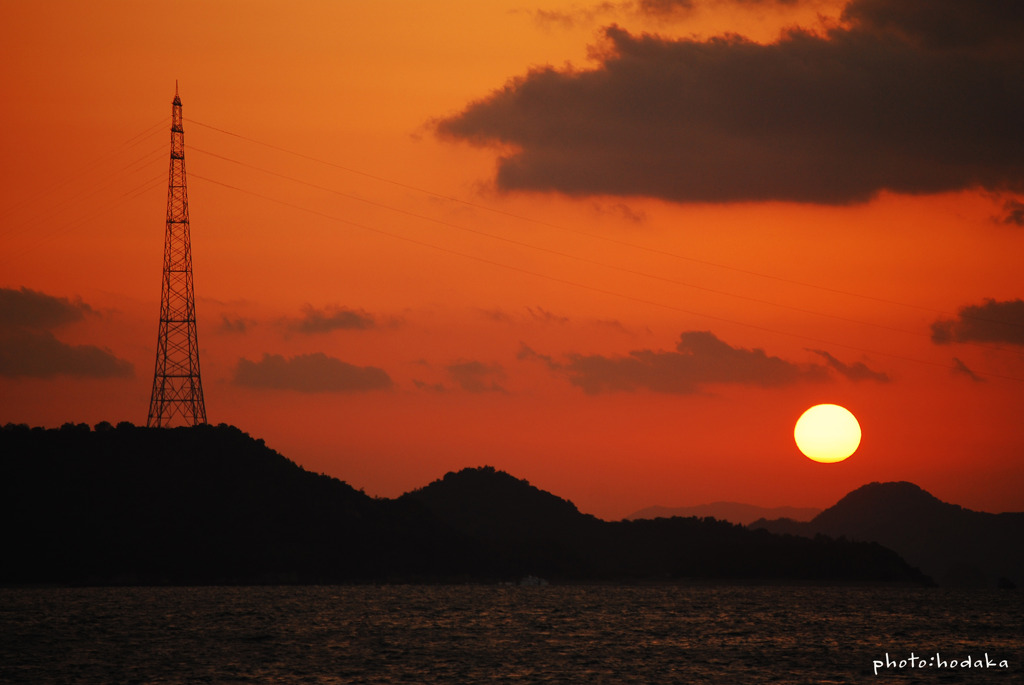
{"points": [[472, 634]]}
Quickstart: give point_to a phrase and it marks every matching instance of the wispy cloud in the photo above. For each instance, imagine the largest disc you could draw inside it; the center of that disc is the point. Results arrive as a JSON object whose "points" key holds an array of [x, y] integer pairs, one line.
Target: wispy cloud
{"points": [[991, 321], [38, 354], [544, 316], [236, 324], [960, 368], [476, 376], [699, 360], [29, 348], [584, 15], [315, 372], [27, 308], [1013, 213], [857, 371], [663, 8], [331, 318]]}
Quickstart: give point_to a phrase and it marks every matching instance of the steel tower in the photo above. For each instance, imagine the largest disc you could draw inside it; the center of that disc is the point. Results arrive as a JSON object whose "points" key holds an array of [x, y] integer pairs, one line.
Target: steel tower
{"points": [[177, 388]]}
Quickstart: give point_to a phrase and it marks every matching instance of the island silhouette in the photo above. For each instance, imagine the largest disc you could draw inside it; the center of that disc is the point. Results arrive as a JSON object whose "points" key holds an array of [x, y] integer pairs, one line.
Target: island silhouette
{"points": [[956, 547], [734, 512], [212, 505]]}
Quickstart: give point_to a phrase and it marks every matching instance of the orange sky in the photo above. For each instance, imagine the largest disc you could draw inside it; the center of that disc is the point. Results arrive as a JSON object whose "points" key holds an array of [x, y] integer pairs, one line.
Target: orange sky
{"points": [[318, 184]]}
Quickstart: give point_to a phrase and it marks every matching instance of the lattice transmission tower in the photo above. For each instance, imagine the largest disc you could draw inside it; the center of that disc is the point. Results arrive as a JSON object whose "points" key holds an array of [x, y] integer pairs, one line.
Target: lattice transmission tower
{"points": [[177, 387]]}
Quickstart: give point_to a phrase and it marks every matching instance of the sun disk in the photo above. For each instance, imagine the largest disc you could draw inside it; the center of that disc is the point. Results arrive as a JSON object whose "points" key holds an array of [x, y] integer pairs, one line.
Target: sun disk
{"points": [[827, 433]]}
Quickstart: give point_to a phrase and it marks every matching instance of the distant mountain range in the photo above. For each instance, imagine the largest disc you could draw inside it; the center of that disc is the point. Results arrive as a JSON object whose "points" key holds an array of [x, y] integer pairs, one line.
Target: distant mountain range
{"points": [[953, 545], [525, 530], [733, 512], [202, 505]]}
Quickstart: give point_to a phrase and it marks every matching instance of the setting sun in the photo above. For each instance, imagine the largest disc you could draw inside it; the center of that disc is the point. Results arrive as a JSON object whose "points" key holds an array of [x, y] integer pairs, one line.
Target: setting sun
{"points": [[827, 433], [430, 236]]}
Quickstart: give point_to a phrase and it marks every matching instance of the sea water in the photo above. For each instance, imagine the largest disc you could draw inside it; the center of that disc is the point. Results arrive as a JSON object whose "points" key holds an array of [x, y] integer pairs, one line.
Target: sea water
{"points": [[732, 634]]}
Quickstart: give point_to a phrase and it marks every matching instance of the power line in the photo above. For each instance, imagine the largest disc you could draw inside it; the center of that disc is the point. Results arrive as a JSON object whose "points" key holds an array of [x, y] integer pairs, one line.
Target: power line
{"points": [[84, 219], [566, 255], [75, 177], [585, 286], [103, 182], [145, 186], [615, 241]]}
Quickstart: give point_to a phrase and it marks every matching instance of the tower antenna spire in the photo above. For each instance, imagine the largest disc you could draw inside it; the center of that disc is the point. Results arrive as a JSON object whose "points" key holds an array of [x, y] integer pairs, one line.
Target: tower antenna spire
{"points": [[177, 395]]}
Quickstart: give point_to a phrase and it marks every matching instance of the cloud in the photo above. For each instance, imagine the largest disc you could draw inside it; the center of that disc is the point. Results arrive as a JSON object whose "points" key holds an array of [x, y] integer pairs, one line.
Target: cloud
{"points": [[910, 97], [670, 6], [960, 368], [527, 353], [663, 8], [858, 371], [544, 316], [26, 308], [236, 325], [309, 373], [429, 387], [700, 359], [942, 24], [612, 324], [475, 376], [496, 315], [28, 348], [37, 354], [1014, 213], [538, 314], [622, 211], [991, 322], [331, 319], [574, 17]]}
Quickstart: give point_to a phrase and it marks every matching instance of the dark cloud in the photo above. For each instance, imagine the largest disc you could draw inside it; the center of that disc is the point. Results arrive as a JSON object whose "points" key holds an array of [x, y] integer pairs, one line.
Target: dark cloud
{"points": [[960, 368], [475, 376], [496, 315], [544, 316], [26, 308], [527, 353], [587, 14], [991, 322], [28, 348], [37, 354], [858, 371], [673, 7], [663, 7], [943, 24], [429, 387], [1014, 213], [235, 325], [877, 104], [700, 359], [622, 211], [536, 313], [591, 13], [612, 324], [331, 319], [309, 373]]}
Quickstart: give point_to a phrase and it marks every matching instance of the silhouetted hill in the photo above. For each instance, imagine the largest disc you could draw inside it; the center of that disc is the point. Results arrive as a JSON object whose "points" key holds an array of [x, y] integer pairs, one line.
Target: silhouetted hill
{"points": [[733, 512], [535, 532], [953, 545], [212, 505], [708, 548], [199, 504], [529, 530], [485, 500]]}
